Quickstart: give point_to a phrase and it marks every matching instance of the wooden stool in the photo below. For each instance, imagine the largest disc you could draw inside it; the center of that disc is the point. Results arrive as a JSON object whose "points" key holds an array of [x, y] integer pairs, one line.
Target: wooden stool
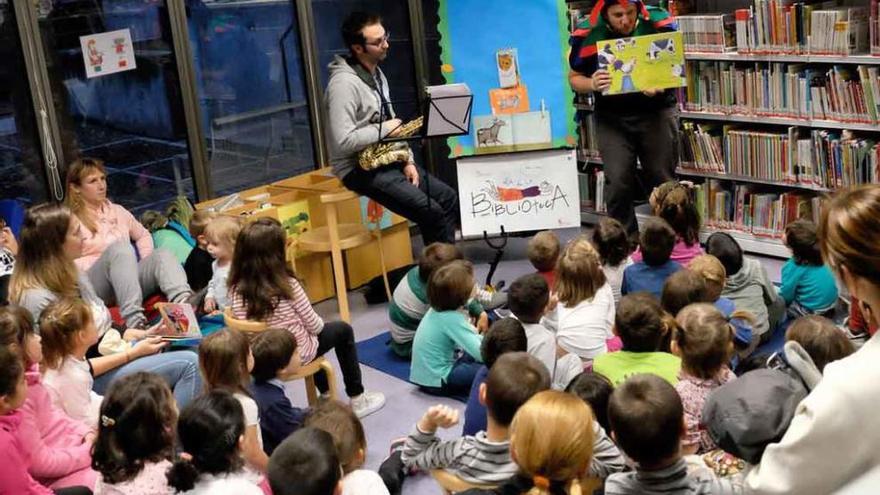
{"points": [[248, 327], [451, 483]]}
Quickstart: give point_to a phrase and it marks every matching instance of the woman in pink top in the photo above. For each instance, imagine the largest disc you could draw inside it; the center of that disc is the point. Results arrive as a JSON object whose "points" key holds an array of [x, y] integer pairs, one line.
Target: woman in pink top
{"points": [[58, 445], [672, 202], [119, 275]]}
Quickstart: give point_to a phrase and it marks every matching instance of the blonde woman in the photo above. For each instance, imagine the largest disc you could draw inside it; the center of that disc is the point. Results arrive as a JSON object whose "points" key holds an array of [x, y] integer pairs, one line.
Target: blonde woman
{"points": [[119, 275]]}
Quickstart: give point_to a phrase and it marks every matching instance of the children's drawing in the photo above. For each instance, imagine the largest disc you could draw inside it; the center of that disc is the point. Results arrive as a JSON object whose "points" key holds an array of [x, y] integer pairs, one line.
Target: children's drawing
{"points": [[517, 191], [639, 63], [508, 68], [509, 100], [489, 135]]}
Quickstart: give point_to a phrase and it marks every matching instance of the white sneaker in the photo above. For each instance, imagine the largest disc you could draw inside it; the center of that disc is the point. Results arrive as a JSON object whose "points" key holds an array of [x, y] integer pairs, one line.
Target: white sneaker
{"points": [[367, 403]]}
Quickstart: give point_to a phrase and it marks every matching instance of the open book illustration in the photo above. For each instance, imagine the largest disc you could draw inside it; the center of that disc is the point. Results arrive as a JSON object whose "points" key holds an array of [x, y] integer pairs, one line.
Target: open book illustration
{"points": [[654, 61], [179, 322]]}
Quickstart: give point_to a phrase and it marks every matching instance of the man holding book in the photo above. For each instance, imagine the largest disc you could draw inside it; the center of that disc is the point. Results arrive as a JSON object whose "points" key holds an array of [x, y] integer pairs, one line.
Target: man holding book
{"points": [[641, 125], [360, 115]]}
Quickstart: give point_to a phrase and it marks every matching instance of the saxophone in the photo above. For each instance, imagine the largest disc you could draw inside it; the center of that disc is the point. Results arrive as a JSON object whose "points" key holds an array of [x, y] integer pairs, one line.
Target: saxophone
{"points": [[381, 154]]}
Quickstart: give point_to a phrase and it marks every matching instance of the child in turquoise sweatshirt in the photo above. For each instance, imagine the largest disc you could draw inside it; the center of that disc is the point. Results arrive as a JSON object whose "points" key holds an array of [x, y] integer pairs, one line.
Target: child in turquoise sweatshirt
{"points": [[436, 368], [808, 286]]}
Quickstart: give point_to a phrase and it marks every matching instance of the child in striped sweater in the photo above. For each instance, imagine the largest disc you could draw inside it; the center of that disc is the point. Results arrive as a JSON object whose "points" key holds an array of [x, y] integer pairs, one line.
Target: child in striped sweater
{"points": [[483, 458]]}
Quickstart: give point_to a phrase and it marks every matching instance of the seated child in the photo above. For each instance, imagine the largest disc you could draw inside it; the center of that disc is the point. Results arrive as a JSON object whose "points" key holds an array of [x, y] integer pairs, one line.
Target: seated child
{"points": [[275, 361], [484, 458], [614, 248], [704, 341], [672, 201], [505, 335], [221, 233], [543, 252], [714, 275], [58, 446], [654, 265], [210, 431], [527, 299], [595, 390], [351, 447], [435, 367], [409, 303], [8, 251], [14, 475], [647, 422], [306, 464], [747, 285], [198, 263], [821, 339], [135, 436], [808, 286], [226, 361], [642, 325], [585, 311], [552, 444]]}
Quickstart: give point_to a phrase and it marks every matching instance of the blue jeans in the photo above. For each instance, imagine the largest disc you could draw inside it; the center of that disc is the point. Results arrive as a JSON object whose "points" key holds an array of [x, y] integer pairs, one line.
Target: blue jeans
{"points": [[179, 368], [458, 382], [433, 205]]}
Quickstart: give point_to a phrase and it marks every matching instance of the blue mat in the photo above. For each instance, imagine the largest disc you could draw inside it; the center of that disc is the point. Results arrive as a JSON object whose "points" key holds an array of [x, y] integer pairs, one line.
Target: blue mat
{"points": [[377, 355]]}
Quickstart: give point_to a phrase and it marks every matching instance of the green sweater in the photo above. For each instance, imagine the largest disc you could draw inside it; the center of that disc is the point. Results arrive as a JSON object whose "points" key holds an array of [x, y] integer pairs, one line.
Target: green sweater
{"points": [[618, 366], [438, 335]]}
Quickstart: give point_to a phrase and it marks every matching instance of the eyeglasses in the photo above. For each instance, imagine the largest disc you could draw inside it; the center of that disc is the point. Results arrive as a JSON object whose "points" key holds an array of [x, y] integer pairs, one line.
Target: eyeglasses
{"points": [[381, 41]]}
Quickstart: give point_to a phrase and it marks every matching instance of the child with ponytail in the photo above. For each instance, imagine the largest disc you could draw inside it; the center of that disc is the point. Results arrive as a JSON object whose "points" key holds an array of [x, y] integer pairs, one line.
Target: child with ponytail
{"points": [[672, 202], [135, 437]]}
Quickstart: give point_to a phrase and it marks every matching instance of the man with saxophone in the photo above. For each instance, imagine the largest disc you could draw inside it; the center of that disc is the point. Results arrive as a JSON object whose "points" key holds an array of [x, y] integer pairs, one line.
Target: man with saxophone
{"points": [[360, 114]]}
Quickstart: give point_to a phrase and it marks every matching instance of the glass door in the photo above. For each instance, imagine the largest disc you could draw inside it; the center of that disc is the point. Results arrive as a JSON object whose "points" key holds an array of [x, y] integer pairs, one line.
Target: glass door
{"points": [[117, 94], [251, 89], [21, 164]]}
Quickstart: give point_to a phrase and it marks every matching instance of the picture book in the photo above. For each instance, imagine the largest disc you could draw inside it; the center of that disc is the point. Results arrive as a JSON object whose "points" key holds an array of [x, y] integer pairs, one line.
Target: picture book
{"points": [[509, 100], [179, 322], [639, 63], [374, 214], [508, 67], [512, 132]]}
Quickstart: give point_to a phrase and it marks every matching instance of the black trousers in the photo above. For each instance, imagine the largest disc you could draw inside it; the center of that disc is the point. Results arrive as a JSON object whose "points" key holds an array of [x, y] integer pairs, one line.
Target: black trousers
{"points": [[339, 335], [652, 138], [433, 205]]}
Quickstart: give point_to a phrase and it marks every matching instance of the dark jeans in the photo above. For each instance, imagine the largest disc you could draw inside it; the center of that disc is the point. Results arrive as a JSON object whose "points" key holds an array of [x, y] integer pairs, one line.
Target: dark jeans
{"points": [[458, 382], [650, 137], [339, 335], [433, 205]]}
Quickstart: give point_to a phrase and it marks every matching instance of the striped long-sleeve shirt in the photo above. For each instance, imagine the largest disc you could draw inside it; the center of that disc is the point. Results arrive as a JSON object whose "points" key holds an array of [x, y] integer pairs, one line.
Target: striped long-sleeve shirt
{"points": [[676, 479], [474, 459], [295, 315]]}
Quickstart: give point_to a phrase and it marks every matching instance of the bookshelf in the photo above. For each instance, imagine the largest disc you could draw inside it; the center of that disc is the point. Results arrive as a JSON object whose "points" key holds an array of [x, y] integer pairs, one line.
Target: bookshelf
{"points": [[782, 57], [762, 119]]}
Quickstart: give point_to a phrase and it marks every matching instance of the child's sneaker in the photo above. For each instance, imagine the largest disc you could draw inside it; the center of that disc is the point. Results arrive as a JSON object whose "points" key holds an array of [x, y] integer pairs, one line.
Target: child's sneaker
{"points": [[367, 403]]}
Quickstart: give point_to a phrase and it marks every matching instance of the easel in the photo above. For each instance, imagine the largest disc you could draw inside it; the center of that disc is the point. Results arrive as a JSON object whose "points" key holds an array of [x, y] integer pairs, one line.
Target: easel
{"points": [[499, 253]]}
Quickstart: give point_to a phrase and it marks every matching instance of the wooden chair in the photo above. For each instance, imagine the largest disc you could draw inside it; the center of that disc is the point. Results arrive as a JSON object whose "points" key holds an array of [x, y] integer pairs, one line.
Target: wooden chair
{"points": [[306, 371], [337, 237], [451, 483]]}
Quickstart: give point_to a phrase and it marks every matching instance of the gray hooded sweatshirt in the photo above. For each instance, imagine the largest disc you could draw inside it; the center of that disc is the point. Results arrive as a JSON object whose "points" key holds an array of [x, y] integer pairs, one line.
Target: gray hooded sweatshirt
{"points": [[353, 110], [750, 290]]}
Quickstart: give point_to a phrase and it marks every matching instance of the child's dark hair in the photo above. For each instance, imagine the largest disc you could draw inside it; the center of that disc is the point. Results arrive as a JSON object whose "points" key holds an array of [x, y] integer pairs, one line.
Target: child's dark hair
{"points": [[306, 463], [223, 357], [11, 369], [353, 26], [682, 288], [641, 323], [646, 416], [59, 323], [436, 255], [543, 250], [504, 335], [704, 339], [451, 285], [802, 238], [209, 429], [16, 324], [136, 427], [594, 389], [272, 350], [674, 204], [259, 271], [527, 297], [347, 431], [611, 241], [656, 241], [724, 247], [513, 379], [822, 340]]}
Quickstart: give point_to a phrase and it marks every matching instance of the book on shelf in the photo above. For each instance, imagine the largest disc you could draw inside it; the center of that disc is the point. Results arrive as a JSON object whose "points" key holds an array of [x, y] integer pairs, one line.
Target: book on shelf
{"points": [[591, 184], [842, 93], [712, 33], [874, 27]]}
